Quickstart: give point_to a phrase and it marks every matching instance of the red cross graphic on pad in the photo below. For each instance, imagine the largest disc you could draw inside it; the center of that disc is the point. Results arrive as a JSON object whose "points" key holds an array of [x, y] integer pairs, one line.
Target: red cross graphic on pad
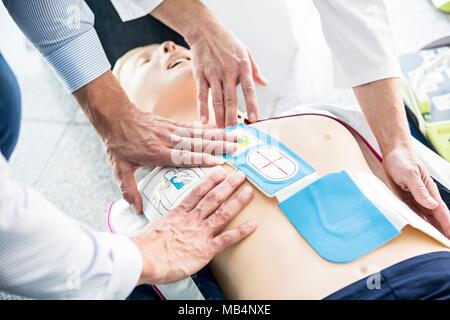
{"points": [[272, 163]]}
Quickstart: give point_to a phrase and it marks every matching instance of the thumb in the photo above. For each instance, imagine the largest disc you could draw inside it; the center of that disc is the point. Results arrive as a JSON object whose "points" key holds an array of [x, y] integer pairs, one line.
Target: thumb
{"points": [[420, 192], [124, 173], [257, 74]]}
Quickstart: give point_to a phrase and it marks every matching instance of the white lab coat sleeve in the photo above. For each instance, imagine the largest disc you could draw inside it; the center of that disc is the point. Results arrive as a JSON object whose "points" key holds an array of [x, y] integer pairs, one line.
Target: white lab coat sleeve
{"points": [[46, 255], [360, 38], [133, 9]]}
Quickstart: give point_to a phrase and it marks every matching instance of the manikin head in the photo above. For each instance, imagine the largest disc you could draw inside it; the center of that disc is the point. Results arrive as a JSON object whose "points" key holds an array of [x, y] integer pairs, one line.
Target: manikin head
{"points": [[159, 78]]}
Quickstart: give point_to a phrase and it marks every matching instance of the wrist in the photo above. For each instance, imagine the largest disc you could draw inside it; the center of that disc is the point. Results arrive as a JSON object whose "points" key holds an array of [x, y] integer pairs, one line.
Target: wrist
{"points": [[201, 29], [151, 270], [103, 101], [383, 106], [396, 143]]}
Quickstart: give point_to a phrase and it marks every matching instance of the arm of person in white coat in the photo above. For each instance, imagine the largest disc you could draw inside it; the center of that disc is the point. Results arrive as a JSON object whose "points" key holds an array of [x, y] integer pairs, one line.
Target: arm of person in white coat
{"points": [[364, 58], [46, 255]]}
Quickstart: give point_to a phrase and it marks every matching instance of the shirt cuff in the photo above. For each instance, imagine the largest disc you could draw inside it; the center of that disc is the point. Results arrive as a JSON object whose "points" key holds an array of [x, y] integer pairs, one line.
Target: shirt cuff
{"points": [[343, 80], [80, 61], [127, 265], [133, 9]]}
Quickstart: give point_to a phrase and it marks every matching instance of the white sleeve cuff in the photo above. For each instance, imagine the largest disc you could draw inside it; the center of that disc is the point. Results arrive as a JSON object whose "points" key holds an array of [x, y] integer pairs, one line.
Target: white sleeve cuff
{"points": [[80, 61], [343, 80], [133, 9], [127, 265]]}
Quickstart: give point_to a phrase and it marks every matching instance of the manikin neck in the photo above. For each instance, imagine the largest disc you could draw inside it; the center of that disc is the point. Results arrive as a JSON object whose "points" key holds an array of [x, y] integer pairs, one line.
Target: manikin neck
{"points": [[182, 109]]}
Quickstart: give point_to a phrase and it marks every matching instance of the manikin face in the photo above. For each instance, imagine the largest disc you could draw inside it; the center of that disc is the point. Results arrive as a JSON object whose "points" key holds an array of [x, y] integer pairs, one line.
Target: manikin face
{"points": [[157, 76]]}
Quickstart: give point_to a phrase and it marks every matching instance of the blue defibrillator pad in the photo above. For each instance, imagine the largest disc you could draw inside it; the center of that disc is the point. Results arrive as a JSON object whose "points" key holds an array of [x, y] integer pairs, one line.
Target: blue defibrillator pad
{"points": [[337, 219]]}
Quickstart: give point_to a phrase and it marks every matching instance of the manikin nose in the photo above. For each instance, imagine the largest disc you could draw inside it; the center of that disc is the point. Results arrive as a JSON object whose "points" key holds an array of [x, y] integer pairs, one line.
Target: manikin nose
{"points": [[168, 46]]}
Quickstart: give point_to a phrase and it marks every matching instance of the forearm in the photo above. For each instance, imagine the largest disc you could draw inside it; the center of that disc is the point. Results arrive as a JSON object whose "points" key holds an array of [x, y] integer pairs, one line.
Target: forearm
{"points": [[188, 17], [382, 104], [107, 106]]}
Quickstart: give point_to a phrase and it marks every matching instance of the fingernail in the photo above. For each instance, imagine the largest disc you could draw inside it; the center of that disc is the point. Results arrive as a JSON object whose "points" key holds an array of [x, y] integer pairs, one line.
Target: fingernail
{"points": [[432, 202], [263, 80], [230, 147], [252, 117], [250, 224], [215, 161], [247, 191], [240, 174], [232, 137], [134, 209], [221, 171]]}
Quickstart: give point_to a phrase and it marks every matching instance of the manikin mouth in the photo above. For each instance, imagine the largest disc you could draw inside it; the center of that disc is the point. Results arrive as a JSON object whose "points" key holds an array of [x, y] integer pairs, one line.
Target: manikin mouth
{"points": [[178, 61]]}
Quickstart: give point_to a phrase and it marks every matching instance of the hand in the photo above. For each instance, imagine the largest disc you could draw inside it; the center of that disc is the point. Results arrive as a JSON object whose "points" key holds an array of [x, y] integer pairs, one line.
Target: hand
{"points": [[403, 166], [139, 139], [134, 138], [187, 238], [221, 62]]}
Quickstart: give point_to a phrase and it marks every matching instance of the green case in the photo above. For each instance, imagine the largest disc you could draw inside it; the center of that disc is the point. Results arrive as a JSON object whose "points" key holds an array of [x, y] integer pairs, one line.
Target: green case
{"points": [[426, 91]]}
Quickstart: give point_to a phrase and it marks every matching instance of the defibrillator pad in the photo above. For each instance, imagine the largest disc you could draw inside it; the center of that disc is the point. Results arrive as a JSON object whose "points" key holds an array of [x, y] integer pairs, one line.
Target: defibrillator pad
{"points": [[268, 164], [164, 188], [337, 220], [344, 217]]}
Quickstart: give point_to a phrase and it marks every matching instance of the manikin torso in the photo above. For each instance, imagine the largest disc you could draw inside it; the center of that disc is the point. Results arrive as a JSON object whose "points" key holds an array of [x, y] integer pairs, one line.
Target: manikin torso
{"points": [[275, 262]]}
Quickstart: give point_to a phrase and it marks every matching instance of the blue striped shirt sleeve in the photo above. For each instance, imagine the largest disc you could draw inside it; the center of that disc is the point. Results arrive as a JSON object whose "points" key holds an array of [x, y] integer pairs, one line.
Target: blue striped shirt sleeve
{"points": [[63, 31]]}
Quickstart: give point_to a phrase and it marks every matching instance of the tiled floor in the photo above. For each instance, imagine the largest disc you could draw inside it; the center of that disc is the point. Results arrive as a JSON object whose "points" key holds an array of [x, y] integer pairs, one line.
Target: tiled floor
{"points": [[60, 154]]}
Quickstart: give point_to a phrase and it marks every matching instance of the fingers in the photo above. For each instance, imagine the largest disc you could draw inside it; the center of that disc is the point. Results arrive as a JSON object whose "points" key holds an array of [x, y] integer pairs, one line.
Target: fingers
{"points": [[219, 135], [231, 237], [212, 134], [417, 185], [188, 152], [257, 75], [425, 192], [222, 82], [218, 195], [248, 88], [202, 189], [206, 146], [226, 212], [202, 99], [124, 173], [230, 102], [217, 100], [197, 151], [441, 212], [185, 158]]}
